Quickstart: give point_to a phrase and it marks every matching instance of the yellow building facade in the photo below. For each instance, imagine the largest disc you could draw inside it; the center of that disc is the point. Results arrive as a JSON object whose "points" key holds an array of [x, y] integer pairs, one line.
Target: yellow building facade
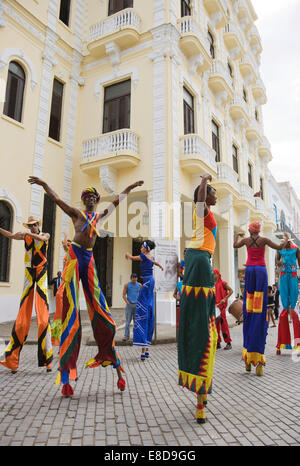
{"points": [[107, 92]]}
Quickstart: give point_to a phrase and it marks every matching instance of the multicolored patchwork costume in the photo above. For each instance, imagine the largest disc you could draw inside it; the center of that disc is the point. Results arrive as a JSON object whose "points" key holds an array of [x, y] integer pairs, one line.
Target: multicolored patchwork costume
{"points": [[80, 265], [197, 335], [35, 274], [255, 324], [289, 295]]}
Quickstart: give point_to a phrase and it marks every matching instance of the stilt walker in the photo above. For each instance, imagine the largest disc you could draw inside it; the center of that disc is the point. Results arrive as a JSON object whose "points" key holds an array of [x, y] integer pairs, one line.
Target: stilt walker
{"points": [[57, 319], [197, 335], [289, 295], [80, 265], [144, 317], [255, 323], [35, 288]]}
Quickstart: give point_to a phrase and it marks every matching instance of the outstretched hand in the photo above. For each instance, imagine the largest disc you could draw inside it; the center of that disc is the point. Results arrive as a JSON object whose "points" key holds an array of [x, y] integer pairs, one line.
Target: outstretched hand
{"points": [[136, 184], [35, 180]]}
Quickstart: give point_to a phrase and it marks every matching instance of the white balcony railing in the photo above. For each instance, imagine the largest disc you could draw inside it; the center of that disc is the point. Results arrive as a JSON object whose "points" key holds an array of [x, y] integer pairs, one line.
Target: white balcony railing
{"points": [[218, 68], [193, 145], [260, 205], [239, 101], [112, 143], [231, 28], [125, 19], [225, 172], [187, 25], [247, 59], [246, 193]]}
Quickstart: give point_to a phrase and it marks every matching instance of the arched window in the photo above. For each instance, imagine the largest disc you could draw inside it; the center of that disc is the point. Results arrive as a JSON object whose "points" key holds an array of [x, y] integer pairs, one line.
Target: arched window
{"points": [[5, 222], [14, 91]]}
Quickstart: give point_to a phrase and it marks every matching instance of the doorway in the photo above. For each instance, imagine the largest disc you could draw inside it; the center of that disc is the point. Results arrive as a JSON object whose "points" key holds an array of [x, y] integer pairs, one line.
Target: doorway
{"points": [[103, 255]]}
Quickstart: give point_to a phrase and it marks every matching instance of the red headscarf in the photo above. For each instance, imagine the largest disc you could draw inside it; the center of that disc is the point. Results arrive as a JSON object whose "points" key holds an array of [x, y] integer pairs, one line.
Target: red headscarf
{"points": [[254, 227]]}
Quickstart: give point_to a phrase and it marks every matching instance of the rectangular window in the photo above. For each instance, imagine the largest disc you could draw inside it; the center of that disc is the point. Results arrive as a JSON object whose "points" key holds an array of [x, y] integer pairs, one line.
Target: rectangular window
{"points": [[116, 113], [117, 5], [49, 217], [56, 108], [250, 182], [64, 11], [235, 163], [216, 140], [185, 8], [188, 112]]}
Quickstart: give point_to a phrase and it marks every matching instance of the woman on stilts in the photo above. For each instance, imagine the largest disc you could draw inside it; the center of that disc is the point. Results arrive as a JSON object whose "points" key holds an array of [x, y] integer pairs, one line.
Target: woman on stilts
{"points": [[80, 265], [197, 336], [255, 322], [144, 317], [289, 295]]}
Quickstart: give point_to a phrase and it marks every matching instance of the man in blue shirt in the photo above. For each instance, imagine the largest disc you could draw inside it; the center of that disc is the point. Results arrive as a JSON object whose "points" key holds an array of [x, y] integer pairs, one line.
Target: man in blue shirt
{"points": [[130, 294]]}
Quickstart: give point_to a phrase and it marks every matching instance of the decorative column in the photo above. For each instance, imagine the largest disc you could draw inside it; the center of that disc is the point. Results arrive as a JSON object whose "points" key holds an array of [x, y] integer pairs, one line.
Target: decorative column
{"points": [[49, 61], [75, 81]]}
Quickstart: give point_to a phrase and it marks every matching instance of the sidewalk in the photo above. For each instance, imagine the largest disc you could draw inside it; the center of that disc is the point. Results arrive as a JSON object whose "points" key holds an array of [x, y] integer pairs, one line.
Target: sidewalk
{"points": [[153, 410]]}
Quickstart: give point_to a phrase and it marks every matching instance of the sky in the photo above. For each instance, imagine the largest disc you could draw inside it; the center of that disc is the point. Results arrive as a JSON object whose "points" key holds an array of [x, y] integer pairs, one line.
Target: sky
{"points": [[279, 28]]}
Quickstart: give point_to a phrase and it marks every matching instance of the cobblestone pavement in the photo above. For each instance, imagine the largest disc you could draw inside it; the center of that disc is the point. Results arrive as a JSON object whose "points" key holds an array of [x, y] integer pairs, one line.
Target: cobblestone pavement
{"points": [[243, 409]]}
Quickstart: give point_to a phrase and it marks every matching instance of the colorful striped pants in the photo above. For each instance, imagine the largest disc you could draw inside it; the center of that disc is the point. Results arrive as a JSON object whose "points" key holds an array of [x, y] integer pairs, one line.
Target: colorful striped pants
{"points": [[255, 324], [33, 276], [81, 266]]}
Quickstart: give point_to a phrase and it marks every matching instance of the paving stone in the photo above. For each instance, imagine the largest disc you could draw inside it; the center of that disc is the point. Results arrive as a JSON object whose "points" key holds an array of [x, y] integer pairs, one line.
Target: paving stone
{"points": [[242, 409]]}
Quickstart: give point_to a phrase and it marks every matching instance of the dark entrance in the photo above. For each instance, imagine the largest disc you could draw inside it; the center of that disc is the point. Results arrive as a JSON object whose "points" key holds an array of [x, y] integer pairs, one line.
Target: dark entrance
{"points": [[103, 255], [136, 251]]}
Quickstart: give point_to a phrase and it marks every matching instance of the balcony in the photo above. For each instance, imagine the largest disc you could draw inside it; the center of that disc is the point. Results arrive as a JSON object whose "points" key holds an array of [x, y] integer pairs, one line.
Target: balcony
{"points": [[123, 28], [248, 68], [217, 11], [254, 131], [233, 40], [259, 92], [245, 16], [255, 40], [264, 150], [227, 179], [261, 208], [246, 198], [196, 156], [239, 108], [119, 149], [219, 79], [193, 42]]}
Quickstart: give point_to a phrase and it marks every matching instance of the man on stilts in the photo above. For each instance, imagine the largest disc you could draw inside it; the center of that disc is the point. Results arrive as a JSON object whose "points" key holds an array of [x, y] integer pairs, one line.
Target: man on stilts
{"points": [[80, 265], [36, 245]]}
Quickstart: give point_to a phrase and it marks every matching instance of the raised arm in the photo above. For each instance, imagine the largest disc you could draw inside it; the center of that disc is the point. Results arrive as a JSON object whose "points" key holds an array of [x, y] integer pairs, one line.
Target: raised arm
{"points": [[71, 211], [65, 242], [202, 191], [118, 199], [133, 258], [239, 243]]}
